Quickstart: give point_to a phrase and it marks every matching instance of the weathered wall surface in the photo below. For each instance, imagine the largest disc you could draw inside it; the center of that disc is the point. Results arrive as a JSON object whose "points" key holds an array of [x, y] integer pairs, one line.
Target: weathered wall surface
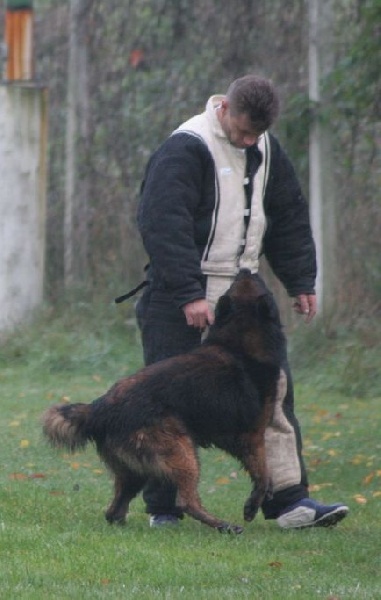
{"points": [[23, 139]]}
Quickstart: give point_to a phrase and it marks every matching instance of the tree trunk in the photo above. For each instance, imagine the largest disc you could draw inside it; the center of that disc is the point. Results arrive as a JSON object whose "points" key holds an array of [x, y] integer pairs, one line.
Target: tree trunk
{"points": [[322, 187], [77, 143]]}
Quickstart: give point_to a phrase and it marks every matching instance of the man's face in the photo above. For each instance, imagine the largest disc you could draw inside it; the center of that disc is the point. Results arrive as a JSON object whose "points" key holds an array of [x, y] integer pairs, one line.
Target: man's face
{"points": [[238, 128]]}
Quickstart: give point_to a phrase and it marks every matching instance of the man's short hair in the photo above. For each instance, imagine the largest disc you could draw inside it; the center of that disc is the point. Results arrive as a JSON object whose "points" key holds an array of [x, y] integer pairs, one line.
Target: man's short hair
{"points": [[256, 97]]}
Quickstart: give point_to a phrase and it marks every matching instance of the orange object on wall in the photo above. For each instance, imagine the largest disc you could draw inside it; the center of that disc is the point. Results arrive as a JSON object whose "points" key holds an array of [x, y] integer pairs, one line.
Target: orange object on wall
{"points": [[19, 41]]}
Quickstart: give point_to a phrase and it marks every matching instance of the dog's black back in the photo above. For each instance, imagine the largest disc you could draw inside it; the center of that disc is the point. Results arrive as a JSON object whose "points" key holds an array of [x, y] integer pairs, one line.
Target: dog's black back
{"points": [[218, 389]]}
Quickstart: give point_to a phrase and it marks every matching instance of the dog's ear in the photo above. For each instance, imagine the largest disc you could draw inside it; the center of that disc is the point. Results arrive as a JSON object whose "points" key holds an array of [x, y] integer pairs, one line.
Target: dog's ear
{"points": [[224, 308], [267, 308]]}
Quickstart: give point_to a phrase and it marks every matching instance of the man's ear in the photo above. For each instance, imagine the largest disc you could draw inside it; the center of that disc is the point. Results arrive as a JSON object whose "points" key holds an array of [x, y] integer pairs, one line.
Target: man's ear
{"points": [[224, 308], [224, 105]]}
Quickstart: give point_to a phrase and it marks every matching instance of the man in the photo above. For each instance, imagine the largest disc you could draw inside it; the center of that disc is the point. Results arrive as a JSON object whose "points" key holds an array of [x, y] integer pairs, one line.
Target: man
{"points": [[217, 193]]}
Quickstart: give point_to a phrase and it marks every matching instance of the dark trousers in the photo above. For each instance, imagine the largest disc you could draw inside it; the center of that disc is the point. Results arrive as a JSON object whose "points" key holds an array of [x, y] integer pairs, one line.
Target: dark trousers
{"points": [[165, 333]]}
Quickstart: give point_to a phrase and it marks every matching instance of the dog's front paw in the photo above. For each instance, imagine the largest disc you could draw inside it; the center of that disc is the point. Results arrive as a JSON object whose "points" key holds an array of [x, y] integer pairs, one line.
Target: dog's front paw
{"points": [[249, 514], [115, 519], [250, 509]]}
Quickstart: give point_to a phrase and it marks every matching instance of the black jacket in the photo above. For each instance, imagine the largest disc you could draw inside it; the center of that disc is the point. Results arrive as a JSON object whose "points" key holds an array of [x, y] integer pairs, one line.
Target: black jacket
{"points": [[175, 212]]}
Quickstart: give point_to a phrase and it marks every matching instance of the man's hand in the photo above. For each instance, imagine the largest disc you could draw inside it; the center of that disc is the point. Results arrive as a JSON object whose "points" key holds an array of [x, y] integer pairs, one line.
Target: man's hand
{"points": [[198, 314], [305, 304]]}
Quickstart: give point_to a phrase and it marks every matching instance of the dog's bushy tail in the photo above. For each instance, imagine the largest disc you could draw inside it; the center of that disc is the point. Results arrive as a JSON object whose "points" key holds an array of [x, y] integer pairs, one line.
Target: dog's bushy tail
{"points": [[66, 425]]}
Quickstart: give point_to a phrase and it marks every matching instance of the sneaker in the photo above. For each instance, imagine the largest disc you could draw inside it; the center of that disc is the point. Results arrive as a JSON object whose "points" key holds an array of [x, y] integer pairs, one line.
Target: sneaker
{"points": [[309, 513], [163, 520]]}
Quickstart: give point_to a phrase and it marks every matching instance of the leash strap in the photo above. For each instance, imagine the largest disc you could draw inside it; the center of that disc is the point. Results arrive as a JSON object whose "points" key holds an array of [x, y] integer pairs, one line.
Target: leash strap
{"points": [[131, 293]]}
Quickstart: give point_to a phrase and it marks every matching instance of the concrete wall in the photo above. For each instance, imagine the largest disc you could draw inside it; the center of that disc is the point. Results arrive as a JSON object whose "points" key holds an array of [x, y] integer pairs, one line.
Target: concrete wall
{"points": [[23, 141]]}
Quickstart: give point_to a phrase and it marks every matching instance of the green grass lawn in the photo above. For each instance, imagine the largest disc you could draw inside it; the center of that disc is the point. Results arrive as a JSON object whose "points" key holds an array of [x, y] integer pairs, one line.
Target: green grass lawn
{"points": [[55, 543]]}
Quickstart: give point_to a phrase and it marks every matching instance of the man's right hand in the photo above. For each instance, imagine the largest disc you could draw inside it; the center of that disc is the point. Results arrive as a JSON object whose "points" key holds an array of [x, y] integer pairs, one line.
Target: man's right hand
{"points": [[198, 314]]}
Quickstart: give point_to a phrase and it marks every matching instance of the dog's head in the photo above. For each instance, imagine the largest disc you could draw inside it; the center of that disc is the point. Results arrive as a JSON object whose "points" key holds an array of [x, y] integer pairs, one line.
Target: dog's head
{"points": [[248, 294], [247, 318]]}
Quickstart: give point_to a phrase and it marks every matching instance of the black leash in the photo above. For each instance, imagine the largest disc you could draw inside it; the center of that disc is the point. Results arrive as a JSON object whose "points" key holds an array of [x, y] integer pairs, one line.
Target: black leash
{"points": [[139, 287]]}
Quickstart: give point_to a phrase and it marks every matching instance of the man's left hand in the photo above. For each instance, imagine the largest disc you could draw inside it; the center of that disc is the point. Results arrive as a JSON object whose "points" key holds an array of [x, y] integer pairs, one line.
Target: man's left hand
{"points": [[305, 304]]}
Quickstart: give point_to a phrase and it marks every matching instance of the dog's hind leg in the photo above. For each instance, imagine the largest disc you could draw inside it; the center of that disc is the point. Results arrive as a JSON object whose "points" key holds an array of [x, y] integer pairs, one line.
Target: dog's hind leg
{"points": [[182, 468], [127, 485]]}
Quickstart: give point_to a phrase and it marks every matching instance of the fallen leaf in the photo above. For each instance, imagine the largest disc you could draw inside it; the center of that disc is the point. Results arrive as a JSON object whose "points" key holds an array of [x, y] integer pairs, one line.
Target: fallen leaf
{"points": [[323, 412], [368, 478], [136, 57], [24, 443], [75, 465], [320, 414], [318, 486], [18, 476], [360, 499], [376, 494], [23, 476], [328, 435], [276, 564], [222, 481], [358, 459], [14, 424]]}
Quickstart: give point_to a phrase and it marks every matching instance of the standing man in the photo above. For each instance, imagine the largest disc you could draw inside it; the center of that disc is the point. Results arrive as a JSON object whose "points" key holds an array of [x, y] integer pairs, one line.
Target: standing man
{"points": [[216, 194]]}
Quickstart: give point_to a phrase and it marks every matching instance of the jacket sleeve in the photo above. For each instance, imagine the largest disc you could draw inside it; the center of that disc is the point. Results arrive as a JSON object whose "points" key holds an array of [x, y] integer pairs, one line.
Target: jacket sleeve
{"points": [[171, 194], [288, 243]]}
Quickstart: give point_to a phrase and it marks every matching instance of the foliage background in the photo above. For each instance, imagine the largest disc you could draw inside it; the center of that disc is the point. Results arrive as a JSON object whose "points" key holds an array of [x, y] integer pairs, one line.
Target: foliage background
{"points": [[153, 63]]}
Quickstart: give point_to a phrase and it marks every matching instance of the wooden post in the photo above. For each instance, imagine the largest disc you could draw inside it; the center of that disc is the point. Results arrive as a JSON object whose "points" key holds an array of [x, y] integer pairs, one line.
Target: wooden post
{"points": [[315, 190], [19, 40], [322, 185], [23, 175], [23, 172], [77, 133]]}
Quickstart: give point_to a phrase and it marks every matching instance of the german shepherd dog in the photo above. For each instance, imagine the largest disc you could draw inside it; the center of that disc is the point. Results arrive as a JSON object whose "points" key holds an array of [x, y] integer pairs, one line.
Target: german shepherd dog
{"points": [[221, 394]]}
